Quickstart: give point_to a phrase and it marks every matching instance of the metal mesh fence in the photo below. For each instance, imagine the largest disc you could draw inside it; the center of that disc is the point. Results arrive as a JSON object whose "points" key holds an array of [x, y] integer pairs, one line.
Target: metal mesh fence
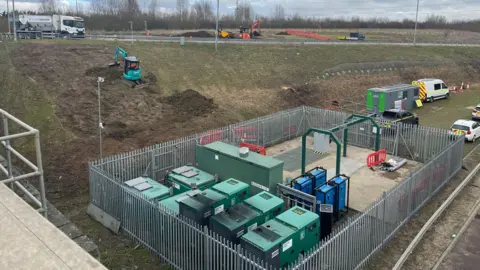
{"points": [[185, 245]]}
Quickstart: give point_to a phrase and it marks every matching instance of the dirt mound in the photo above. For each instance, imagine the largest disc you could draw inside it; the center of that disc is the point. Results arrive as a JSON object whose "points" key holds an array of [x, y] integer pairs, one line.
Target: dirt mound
{"points": [[203, 34], [297, 95], [109, 73], [190, 102], [282, 34], [118, 130]]}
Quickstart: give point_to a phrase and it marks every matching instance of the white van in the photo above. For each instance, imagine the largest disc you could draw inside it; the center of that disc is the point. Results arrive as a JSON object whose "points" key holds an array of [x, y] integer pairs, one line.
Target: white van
{"points": [[432, 89]]}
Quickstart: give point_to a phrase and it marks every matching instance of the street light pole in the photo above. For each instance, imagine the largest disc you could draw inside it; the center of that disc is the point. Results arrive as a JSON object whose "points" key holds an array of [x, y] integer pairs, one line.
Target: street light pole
{"points": [[14, 23], [131, 29], [76, 3], [416, 23], [100, 125], [8, 19], [216, 34]]}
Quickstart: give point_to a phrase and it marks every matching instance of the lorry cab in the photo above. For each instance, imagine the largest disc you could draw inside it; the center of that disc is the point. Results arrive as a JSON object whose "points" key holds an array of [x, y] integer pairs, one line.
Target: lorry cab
{"points": [[432, 89], [69, 25]]}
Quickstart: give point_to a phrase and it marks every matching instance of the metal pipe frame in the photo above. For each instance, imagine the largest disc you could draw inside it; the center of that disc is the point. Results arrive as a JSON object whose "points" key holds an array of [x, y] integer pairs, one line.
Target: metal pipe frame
{"points": [[37, 169]]}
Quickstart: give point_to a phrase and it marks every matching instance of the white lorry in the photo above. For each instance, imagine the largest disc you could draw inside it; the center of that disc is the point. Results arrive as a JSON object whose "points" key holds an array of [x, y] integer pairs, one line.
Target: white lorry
{"points": [[37, 26]]}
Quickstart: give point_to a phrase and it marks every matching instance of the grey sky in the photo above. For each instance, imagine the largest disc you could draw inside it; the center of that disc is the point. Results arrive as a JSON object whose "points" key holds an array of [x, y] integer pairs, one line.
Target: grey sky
{"points": [[392, 9]]}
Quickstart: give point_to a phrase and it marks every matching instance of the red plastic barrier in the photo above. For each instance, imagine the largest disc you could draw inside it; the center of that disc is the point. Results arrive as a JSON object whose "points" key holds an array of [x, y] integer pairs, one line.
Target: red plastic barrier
{"points": [[307, 34], [254, 148], [246, 133], [376, 158], [210, 137]]}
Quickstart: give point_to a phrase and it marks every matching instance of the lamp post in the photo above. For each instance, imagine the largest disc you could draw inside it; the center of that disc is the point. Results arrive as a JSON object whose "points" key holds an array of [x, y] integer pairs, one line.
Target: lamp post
{"points": [[14, 23], [416, 23], [216, 34], [100, 124], [131, 29]]}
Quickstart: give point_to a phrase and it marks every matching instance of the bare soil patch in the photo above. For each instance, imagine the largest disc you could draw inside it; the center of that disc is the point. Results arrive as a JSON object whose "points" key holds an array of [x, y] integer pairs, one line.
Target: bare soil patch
{"points": [[203, 34]]}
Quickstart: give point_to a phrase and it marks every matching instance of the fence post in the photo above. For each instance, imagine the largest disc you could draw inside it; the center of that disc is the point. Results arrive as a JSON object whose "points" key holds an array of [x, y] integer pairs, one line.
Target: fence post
{"points": [[152, 165], [449, 162], [384, 229], [409, 201], [207, 238]]}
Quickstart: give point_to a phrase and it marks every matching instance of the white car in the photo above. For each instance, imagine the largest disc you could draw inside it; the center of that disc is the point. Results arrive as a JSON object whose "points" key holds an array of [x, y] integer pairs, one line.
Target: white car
{"points": [[470, 128], [476, 113]]}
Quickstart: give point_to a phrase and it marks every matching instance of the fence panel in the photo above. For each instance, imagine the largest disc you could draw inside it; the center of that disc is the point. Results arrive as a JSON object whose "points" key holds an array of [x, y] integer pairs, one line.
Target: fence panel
{"points": [[185, 245]]}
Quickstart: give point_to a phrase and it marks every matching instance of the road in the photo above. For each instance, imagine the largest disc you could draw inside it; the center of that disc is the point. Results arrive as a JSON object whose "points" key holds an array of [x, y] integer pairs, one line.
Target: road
{"points": [[271, 41]]}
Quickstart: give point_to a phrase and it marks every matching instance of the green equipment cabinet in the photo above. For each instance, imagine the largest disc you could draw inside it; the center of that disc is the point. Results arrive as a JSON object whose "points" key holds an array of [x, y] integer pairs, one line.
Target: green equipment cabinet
{"points": [[235, 191], [267, 204], [150, 189], [400, 96], [280, 241], [201, 205], [187, 178], [246, 216], [263, 173], [172, 203]]}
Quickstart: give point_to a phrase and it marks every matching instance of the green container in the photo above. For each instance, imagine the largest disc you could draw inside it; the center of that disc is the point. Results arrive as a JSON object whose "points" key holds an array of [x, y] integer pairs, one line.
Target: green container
{"points": [[262, 173], [234, 222], [187, 178], [246, 216], [172, 203], [267, 204], [150, 189], [201, 205], [280, 241], [235, 191]]}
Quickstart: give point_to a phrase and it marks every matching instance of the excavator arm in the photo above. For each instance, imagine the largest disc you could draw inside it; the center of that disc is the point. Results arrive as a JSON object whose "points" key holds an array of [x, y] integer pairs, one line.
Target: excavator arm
{"points": [[119, 51]]}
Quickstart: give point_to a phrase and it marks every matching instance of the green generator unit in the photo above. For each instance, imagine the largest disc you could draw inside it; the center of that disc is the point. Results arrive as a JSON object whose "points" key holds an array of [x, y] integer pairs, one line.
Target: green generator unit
{"points": [[280, 240], [235, 191], [246, 216], [262, 173], [150, 189], [267, 204], [199, 206], [400, 96], [172, 203], [187, 178]]}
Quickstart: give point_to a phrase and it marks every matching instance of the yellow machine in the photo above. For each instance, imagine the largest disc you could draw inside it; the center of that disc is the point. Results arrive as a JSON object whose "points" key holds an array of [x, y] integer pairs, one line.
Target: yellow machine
{"points": [[225, 34]]}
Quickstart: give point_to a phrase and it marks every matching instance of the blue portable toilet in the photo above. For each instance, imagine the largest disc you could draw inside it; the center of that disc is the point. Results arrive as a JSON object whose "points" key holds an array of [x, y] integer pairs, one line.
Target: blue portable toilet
{"points": [[304, 184], [325, 194], [319, 176], [341, 183]]}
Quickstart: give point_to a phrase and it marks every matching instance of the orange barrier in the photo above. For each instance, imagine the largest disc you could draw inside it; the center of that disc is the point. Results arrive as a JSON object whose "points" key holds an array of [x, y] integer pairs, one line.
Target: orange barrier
{"points": [[245, 133], [376, 158], [301, 33], [254, 148], [210, 137]]}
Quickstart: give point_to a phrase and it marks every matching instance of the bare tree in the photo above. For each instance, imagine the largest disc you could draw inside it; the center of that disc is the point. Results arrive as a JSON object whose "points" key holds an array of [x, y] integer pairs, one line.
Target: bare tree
{"points": [[182, 8], [48, 6], [153, 7], [131, 7], [279, 12], [203, 10], [244, 11]]}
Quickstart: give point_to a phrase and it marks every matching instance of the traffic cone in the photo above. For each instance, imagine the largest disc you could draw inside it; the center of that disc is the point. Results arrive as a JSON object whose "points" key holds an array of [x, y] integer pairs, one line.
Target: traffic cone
{"points": [[148, 33], [468, 86], [454, 89], [461, 87]]}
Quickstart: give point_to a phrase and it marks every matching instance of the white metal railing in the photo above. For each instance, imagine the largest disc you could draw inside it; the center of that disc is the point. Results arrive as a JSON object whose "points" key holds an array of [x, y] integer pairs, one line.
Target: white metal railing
{"points": [[12, 177]]}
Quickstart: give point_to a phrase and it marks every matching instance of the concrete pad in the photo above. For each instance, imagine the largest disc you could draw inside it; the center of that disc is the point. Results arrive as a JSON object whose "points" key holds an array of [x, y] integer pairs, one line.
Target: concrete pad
{"points": [[29, 241], [365, 185]]}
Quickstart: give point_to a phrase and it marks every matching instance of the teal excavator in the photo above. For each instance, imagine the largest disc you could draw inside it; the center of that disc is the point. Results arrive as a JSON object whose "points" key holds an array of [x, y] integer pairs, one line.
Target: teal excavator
{"points": [[131, 68]]}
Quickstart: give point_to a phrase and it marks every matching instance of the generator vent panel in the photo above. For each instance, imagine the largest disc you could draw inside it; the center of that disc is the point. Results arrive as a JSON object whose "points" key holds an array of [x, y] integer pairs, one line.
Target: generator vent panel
{"points": [[262, 173]]}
